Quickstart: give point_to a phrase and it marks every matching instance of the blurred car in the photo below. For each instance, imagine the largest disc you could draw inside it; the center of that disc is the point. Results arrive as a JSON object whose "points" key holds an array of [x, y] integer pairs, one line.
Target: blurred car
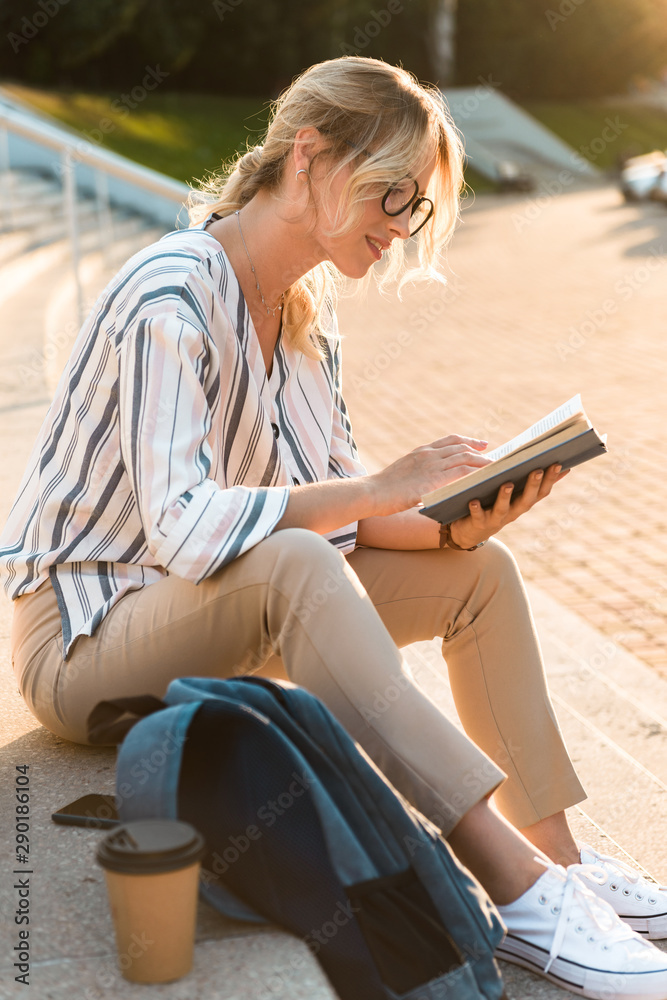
{"points": [[659, 189], [644, 178], [512, 177]]}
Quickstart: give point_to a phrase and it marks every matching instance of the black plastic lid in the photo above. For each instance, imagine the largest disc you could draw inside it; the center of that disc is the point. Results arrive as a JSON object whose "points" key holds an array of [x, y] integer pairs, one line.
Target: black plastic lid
{"points": [[150, 846]]}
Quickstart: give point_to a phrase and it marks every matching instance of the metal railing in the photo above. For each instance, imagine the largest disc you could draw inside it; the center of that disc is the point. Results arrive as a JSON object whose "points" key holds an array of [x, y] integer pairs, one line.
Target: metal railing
{"points": [[71, 150]]}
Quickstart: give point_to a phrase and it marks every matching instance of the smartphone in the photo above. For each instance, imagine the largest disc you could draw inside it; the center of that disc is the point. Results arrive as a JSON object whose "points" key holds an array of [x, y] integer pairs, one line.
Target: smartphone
{"points": [[92, 810]]}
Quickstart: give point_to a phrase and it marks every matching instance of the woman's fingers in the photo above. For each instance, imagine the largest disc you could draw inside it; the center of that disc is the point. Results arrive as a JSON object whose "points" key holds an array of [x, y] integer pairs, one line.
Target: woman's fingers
{"points": [[557, 476], [466, 463], [536, 483], [431, 466], [460, 454], [482, 523], [453, 439], [549, 480], [501, 507], [538, 486], [478, 516], [506, 509], [540, 483]]}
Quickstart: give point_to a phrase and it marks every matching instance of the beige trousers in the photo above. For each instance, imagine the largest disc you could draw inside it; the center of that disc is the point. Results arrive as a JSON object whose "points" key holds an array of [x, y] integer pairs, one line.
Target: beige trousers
{"points": [[336, 623]]}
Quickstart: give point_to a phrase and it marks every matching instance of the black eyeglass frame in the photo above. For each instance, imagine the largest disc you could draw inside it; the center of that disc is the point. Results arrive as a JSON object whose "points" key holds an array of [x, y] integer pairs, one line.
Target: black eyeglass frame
{"points": [[415, 201]]}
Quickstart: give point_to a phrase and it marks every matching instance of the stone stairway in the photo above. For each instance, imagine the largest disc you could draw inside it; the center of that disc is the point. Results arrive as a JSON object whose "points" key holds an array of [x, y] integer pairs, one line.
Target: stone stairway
{"points": [[38, 321], [612, 707]]}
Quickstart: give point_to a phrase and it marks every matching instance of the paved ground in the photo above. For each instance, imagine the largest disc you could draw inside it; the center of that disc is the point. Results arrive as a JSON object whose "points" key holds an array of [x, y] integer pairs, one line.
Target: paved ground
{"points": [[488, 356], [548, 296]]}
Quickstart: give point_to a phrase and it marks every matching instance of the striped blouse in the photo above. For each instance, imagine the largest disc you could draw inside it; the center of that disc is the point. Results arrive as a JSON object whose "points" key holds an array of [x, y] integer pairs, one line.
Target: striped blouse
{"points": [[167, 448]]}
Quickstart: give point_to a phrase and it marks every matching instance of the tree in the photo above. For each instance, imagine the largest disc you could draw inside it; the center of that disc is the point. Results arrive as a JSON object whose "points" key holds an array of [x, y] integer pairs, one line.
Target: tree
{"points": [[219, 46], [568, 48]]}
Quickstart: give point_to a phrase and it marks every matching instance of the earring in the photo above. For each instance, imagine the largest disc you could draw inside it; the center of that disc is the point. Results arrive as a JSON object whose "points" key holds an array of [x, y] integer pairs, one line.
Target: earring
{"points": [[302, 171]]}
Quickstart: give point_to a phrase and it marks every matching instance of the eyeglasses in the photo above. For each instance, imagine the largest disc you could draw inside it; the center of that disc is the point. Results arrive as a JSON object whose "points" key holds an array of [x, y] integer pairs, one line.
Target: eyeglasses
{"points": [[400, 196]]}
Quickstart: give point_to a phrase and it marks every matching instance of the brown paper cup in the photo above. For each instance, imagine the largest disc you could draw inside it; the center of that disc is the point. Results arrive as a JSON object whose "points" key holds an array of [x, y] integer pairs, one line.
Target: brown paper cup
{"points": [[154, 910]]}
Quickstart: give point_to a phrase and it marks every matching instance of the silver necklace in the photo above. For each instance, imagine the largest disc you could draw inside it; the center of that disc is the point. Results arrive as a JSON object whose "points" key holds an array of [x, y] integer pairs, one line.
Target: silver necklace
{"points": [[269, 310]]}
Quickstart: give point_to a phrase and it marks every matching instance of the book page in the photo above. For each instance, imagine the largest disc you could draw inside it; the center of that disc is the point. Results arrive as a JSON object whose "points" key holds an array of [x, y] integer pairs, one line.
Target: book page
{"points": [[567, 413]]}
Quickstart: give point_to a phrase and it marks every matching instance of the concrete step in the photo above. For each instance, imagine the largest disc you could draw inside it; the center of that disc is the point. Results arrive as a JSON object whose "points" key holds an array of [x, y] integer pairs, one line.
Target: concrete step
{"points": [[49, 210], [37, 331], [21, 251], [43, 226], [33, 213], [28, 198], [75, 959], [23, 186], [611, 706]]}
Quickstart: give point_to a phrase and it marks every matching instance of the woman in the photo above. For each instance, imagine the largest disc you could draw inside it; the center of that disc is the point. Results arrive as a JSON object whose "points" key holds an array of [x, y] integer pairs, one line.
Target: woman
{"points": [[195, 504]]}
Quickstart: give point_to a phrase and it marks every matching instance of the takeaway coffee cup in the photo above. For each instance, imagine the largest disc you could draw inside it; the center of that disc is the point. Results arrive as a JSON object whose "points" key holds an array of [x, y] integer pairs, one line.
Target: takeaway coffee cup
{"points": [[152, 872]]}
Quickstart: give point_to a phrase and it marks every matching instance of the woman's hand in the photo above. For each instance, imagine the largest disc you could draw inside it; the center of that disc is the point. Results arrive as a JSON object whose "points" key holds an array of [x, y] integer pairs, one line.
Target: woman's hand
{"points": [[403, 484], [481, 524]]}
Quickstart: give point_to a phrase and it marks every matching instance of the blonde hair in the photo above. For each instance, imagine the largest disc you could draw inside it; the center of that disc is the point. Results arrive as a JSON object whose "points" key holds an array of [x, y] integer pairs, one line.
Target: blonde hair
{"points": [[380, 108]]}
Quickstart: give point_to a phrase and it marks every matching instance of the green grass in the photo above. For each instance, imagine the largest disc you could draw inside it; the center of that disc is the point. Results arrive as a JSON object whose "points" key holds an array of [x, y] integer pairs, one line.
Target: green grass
{"points": [[182, 135], [580, 123], [188, 135], [477, 183]]}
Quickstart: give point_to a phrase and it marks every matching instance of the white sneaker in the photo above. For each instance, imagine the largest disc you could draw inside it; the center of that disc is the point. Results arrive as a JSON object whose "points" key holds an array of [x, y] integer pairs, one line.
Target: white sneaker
{"points": [[562, 931], [637, 900]]}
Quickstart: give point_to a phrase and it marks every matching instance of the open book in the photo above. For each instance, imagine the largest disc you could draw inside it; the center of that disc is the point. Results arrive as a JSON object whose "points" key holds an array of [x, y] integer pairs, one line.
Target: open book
{"points": [[565, 437]]}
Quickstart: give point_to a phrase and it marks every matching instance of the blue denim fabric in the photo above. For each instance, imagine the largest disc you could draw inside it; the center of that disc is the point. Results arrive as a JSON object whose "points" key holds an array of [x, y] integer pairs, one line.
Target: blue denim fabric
{"points": [[368, 829]]}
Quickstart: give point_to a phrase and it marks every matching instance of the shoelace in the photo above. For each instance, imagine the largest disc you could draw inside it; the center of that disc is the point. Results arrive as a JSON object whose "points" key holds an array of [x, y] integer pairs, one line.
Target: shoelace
{"points": [[597, 867], [599, 912]]}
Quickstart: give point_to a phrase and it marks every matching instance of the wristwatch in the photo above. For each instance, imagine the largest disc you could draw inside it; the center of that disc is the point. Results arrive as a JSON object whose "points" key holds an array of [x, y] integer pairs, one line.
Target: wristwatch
{"points": [[447, 541]]}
